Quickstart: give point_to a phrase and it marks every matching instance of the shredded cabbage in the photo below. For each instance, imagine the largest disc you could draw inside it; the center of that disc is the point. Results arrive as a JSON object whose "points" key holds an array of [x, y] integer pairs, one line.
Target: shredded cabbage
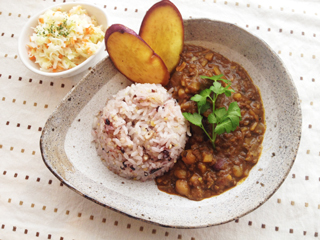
{"points": [[63, 40]]}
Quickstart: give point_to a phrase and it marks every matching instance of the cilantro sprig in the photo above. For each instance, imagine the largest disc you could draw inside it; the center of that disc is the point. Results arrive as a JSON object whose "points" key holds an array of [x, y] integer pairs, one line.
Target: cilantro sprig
{"points": [[222, 120]]}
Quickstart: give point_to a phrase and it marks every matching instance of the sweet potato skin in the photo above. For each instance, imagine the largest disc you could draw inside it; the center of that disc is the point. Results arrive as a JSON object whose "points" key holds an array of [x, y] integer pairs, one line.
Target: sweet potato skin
{"points": [[133, 57]]}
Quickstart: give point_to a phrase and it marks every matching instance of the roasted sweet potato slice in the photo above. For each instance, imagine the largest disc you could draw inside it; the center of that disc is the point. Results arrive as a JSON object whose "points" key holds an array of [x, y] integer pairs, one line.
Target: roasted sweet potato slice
{"points": [[162, 28], [133, 57]]}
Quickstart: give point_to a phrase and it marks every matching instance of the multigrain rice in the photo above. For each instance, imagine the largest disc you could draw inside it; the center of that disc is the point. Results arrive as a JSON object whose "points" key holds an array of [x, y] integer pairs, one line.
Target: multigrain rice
{"points": [[140, 132]]}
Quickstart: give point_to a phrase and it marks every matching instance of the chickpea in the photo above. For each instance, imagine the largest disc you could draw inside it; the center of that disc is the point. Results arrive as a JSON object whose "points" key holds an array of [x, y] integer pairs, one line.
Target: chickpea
{"points": [[237, 96], [182, 187], [185, 106], [202, 167], [181, 92], [195, 180], [197, 193], [194, 86], [229, 177], [180, 173], [237, 171], [183, 82], [260, 128], [188, 157]]}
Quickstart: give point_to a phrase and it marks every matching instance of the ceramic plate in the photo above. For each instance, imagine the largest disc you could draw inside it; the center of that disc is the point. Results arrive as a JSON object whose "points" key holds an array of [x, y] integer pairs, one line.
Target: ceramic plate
{"points": [[68, 151]]}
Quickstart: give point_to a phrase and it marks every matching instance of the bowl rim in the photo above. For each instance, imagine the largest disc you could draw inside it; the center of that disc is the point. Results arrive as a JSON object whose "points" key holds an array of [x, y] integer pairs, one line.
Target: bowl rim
{"points": [[21, 43], [266, 198]]}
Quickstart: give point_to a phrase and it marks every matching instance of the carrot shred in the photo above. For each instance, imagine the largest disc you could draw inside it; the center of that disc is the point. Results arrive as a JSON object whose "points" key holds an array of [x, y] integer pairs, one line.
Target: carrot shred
{"points": [[41, 20], [33, 58], [89, 30]]}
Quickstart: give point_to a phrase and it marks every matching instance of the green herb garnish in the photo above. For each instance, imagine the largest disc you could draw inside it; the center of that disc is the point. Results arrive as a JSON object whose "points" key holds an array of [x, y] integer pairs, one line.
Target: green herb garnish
{"points": [[222, 120], [53, 29]]}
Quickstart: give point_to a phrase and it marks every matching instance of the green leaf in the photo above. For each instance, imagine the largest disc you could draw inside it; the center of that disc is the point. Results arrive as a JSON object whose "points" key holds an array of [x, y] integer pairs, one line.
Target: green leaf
{"points": [[220, 114], [225, 80], [216, 78], [212, 119], [225, 126], [205, 93], [204, 108], [196, 98], [234, 109], [201, 100], [217, 88], [228, 91], [195, 118], [234, 114], [223, 120], [228, 120], [235, 121]]}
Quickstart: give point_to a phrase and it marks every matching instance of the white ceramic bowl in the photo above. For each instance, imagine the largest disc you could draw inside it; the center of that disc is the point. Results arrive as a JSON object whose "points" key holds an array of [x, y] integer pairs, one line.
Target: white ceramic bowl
{"points": [[27, 31], [68, 151]]}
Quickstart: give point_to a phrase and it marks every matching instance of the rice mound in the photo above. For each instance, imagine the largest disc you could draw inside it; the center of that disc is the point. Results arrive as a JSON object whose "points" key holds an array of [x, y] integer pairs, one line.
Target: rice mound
{"points": [[140, 132]]}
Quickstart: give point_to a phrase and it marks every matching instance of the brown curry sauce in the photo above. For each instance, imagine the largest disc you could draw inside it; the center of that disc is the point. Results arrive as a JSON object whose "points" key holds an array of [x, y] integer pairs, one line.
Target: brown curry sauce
{"points": [[202, 171]]}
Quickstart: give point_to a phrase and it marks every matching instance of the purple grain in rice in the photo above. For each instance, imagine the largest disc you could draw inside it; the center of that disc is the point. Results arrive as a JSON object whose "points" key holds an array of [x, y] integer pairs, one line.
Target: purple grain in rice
{"points": [[140, 132]]}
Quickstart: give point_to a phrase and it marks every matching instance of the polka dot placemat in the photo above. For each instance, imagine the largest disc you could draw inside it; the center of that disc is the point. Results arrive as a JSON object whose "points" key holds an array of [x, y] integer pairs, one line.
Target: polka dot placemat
{"points": [[35, 205]]}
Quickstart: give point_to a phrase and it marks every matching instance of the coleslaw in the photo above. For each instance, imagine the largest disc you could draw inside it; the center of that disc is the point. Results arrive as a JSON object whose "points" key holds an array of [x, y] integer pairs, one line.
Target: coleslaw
{"points": [[63, 40]]}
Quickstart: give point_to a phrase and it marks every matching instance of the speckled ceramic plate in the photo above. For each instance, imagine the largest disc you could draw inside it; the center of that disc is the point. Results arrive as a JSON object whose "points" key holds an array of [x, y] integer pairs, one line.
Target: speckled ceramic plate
{"points": [[68, 151]]}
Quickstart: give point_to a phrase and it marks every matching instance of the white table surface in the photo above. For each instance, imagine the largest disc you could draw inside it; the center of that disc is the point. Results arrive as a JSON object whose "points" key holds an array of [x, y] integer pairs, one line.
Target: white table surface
{"points": [[35, 205]]}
